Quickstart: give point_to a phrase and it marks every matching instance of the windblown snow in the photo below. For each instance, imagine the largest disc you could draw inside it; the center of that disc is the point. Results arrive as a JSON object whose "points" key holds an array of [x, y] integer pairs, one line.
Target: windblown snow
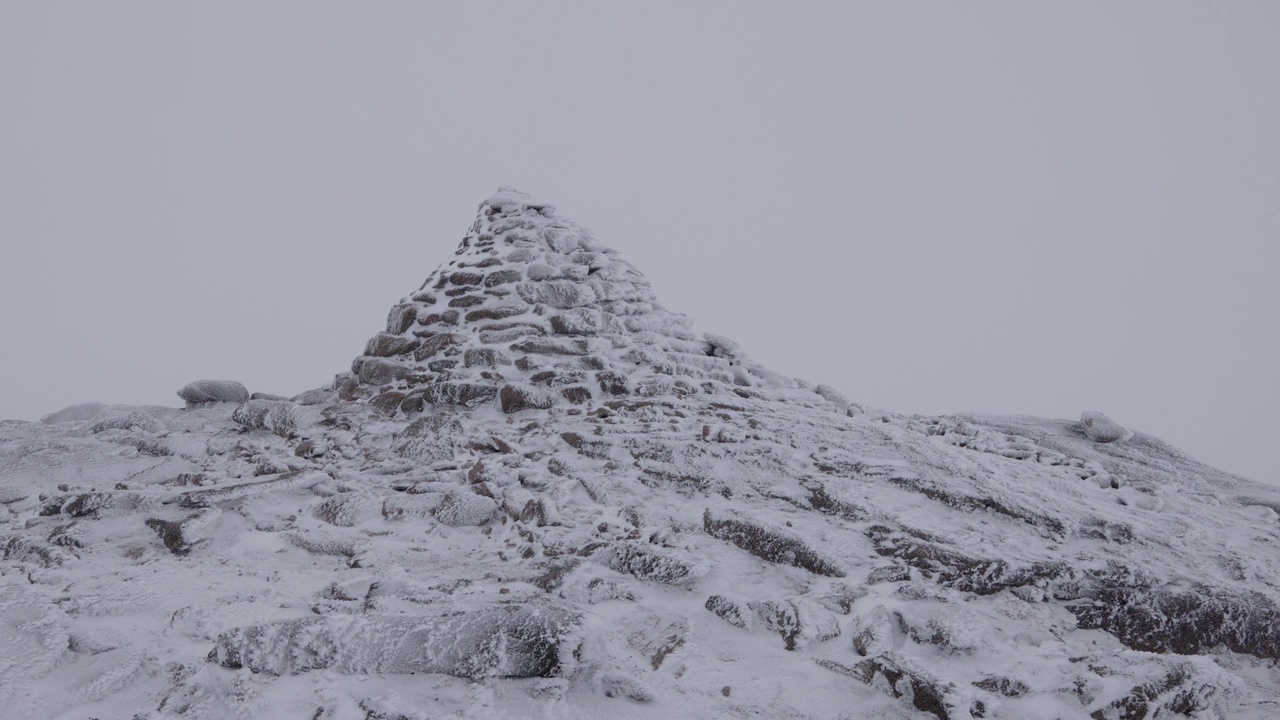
{"points": [[538, 493]]}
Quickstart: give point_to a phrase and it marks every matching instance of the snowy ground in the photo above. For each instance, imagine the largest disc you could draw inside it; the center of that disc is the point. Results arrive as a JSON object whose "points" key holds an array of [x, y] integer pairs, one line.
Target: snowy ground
{"points": [[539, 494]]}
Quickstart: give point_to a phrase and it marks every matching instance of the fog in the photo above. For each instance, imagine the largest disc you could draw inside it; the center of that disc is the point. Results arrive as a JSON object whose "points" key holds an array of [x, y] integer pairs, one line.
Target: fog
{"points": [[1003, 208]]}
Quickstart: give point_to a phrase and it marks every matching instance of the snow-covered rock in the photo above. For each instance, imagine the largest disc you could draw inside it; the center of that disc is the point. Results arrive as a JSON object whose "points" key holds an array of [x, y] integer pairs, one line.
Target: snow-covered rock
{"points": [[1100, 428], [206, 391]]}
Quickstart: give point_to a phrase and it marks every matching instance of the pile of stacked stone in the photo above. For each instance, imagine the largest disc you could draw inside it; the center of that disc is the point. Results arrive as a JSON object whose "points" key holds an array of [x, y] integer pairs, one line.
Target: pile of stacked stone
{"points": [[533, 312]]}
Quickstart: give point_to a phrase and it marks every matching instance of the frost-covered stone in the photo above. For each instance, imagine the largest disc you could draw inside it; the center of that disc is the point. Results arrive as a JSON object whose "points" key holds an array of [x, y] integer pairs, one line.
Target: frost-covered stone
{"points": [[179, 536], [124, 419], [464, 508], [464, 394], [388, 345], [1102, 429], [798, 621], [379, 371], [832, 395], [733, 611], [348, 509], [518, 640], [401, 318], [282, 417], [514, 398], [656, 636], [651, 562], [769, 543], [206, 391], [879, 631]]}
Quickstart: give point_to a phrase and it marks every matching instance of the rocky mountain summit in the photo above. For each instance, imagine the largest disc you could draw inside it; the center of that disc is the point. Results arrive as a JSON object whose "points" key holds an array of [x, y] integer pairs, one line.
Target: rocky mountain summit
{"points": [[538, 493]]}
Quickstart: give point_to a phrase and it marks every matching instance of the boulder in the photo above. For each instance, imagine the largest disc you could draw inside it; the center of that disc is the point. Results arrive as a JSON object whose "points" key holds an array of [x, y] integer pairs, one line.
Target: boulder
{"points": [[1102, 429], [206, 391], [283, 418], [470, 641]]}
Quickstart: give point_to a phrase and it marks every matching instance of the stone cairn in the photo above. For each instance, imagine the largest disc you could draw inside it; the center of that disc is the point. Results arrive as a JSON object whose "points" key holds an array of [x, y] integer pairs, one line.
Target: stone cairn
{"points": [[534, 313]]}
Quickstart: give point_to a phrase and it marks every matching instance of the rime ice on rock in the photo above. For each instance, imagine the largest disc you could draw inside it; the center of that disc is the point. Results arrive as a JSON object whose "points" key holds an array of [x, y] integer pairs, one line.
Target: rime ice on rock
{"points": [[207, 391], [1100, 428], [532, 313]]}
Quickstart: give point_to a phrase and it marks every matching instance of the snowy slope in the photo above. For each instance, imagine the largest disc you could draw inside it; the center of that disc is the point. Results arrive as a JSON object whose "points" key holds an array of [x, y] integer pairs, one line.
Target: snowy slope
{"points": [[539, 494]]}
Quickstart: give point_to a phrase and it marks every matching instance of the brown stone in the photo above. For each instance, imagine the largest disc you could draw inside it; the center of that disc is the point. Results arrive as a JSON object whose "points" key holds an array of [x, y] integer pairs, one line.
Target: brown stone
{"points": [[499, 312], [612, 383], [387, 402], [466, 301], [502, 277], [576, 394], [486, 357], [387, 345], [377, 371], [438, 344], [412, 403], [425, 298], [449, 317], [582, 321], [551, 346], [515, 399], [401, 318], [465, 278], [465, 394]]}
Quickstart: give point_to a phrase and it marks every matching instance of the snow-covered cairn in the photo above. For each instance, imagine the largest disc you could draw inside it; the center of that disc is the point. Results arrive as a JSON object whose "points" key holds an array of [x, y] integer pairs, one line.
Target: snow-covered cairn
{"points": [[533, 312]]}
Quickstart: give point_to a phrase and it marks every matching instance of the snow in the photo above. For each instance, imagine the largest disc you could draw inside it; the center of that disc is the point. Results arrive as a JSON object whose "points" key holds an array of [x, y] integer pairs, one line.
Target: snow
{"points": [[650, 526]]}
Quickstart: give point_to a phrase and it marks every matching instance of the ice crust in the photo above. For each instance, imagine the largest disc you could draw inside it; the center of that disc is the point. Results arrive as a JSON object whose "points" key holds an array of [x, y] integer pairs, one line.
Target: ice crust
{"points": [[538, 493]]}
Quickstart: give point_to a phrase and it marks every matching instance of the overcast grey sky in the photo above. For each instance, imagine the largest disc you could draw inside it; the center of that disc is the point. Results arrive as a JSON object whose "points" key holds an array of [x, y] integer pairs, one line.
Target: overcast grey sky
{"points": [[935, 207]]}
